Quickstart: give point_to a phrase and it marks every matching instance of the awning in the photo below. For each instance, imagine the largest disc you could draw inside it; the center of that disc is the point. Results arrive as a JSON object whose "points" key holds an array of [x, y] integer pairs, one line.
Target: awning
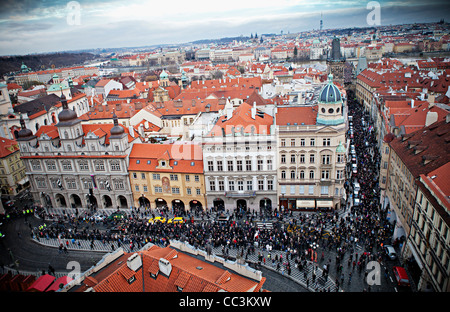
{"points": [[305, 203], [23, 181], [325, 203]]}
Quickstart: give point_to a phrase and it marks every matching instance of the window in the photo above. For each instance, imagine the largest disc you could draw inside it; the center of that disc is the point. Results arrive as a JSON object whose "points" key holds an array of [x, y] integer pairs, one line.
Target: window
{"points": [[260, 164], [240, 185], [283, 174], [260, 185], [145, 188], [340, 158], [339, 174], [51, 165], [302, 158], [83, 165], [175, 190], [187, 178], [283, 159], [249, 185], [188, 191], [66, 165], [248, 165], [115, 166], [292, 174], [310, 189], [326, 159], [326, 142], [312, 158], [292, 142], [196, 178], [158, 189], [231, 185], [156, 176], [302, 174], [283, 142], [269, 164], [136, 187], [292, 158], [324, 190], [173, 177], [269, 185], [142, 175], [134, 175], [99, 166], [210, 165], [219, 165], [230, 165], [325, 174], [312, 142], [301, 189], [71, 184], [302, 142], [221, 186], [197, 191], [239, 165], [212, 185], [119, 185], [311, 174]]}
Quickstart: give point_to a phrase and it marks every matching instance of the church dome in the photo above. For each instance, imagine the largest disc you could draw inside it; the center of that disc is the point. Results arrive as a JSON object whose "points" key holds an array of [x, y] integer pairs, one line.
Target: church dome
{"points": [[66, 114], [330, 93], [116, 130]]}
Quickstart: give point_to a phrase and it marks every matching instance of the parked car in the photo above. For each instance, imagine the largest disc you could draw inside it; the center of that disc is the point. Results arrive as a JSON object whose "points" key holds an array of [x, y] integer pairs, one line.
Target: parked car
{"points": [[401, 276], [157, 219], [390, 252], [176, 220], [354, 168]]}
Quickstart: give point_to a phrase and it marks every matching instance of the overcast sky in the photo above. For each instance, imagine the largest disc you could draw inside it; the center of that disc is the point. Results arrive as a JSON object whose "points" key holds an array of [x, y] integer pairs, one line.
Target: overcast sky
{"points": [[33, 26]]}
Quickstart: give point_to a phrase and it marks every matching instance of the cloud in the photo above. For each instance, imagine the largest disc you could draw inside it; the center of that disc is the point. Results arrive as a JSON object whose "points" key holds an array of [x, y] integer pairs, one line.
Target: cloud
{"points": [[38, 26]]}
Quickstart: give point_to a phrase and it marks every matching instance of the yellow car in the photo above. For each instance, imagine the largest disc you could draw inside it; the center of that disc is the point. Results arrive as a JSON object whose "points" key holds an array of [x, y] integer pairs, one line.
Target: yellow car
{"points": [[176, 220], [157, 219]]}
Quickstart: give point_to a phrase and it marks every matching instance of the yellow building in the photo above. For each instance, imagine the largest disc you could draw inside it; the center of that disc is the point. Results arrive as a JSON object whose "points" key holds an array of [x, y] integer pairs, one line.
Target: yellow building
{"points": [[12, 169], [167, 175]]}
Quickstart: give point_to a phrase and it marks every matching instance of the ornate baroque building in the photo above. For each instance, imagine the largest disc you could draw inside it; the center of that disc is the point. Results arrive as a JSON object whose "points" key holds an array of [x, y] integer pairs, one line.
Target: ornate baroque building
{"points": [[71, 165]]}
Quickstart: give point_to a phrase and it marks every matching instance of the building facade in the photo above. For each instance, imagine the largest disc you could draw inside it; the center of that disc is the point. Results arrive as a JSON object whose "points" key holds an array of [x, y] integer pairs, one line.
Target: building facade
{"points": [[71, 165], [12, 170], [167, 176], [239, 156], [312, 153]]}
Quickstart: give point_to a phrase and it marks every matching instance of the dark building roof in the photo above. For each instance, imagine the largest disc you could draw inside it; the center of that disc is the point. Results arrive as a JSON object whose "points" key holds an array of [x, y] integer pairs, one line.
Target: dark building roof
{"points": [[37, 105], [424, 150]]}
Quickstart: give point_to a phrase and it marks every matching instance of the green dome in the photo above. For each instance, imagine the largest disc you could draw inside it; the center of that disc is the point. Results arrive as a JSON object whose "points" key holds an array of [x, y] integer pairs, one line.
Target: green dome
{"points": [[330, 93], [163, 75]]}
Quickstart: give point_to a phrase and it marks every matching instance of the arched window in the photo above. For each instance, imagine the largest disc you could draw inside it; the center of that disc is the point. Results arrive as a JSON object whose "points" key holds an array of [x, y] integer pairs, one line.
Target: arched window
{"points": [[283, 174]]}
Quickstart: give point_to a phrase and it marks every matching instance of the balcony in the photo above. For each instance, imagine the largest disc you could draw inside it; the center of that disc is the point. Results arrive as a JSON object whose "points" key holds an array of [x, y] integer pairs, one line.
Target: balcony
{"points": [[240, 194]]}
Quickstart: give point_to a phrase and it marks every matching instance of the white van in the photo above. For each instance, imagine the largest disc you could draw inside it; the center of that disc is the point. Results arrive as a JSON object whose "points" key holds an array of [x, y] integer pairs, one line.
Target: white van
{"points": [[356, 186]]}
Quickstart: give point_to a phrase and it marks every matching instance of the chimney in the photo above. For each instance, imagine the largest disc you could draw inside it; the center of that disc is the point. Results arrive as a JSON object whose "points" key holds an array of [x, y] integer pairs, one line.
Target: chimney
{"points": [[229, 112], [118, 107], [134, 262], [447, 118], [131, 130], [431, 118], [165, 267], [412, 103], [254, 110]]}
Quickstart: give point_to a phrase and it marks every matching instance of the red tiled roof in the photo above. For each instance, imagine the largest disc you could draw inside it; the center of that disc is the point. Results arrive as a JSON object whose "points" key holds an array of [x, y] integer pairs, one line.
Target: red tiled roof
{"points": [[242, 117], [188, 156], [432, 151], [7, 147], [301, 115]]}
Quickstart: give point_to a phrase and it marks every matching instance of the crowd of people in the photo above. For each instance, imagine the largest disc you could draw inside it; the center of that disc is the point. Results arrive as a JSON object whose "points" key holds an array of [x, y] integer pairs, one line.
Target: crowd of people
{"points": [[325, 238]]}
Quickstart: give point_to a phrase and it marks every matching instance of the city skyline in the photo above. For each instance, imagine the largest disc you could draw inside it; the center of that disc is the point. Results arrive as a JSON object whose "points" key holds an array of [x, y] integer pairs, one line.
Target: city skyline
{"points": [[49, 26]]}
